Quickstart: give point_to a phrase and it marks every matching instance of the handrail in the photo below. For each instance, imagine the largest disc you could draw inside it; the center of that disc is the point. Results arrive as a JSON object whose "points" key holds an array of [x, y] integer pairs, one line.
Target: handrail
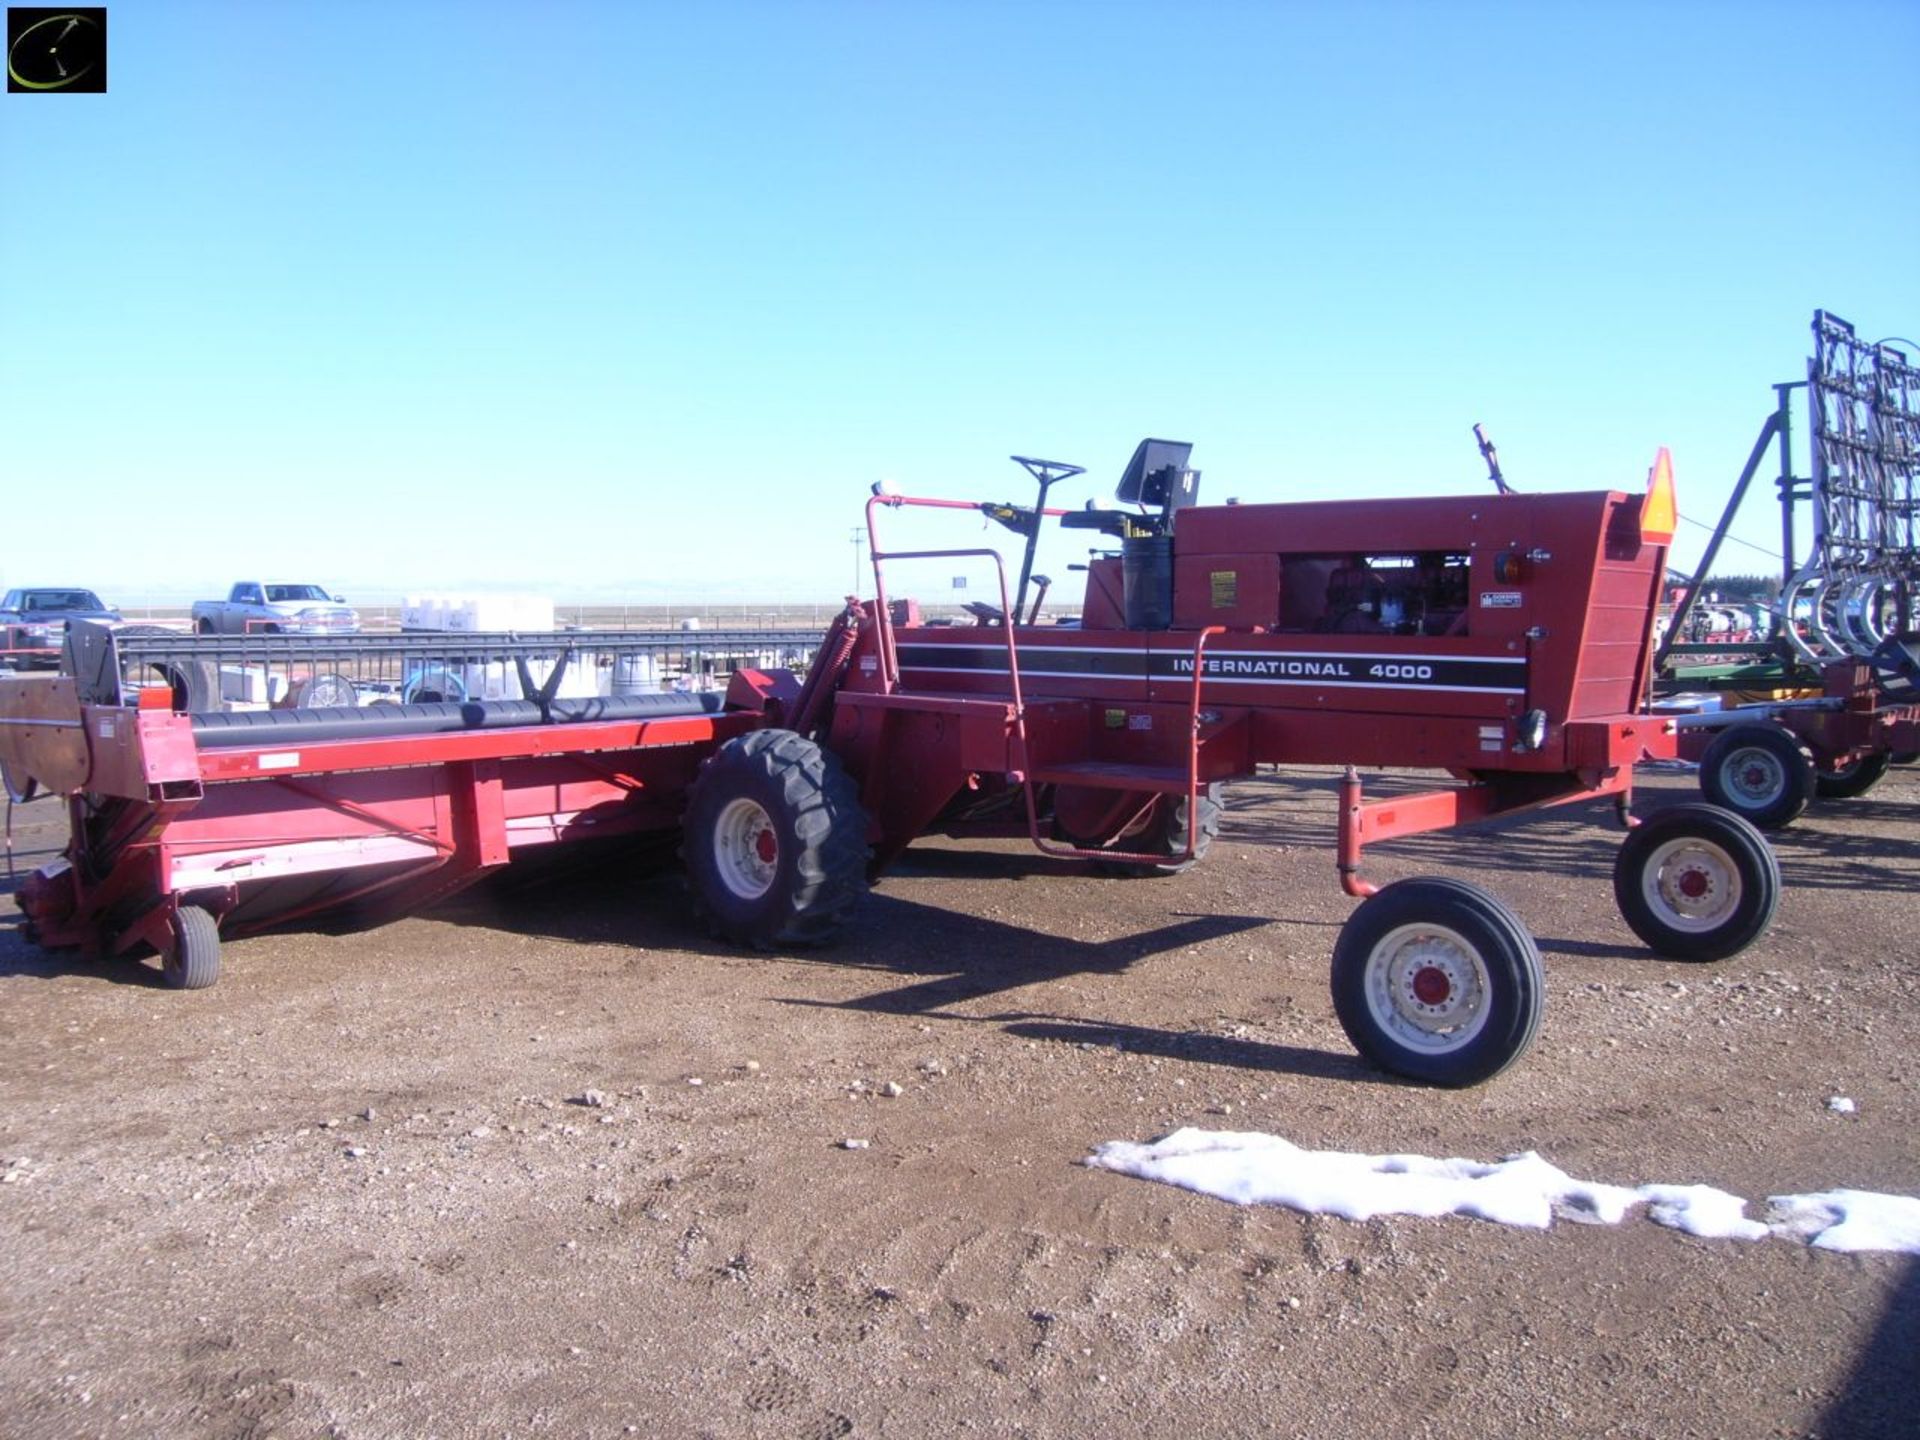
{"points": [[1022, 770], [889, 655]]}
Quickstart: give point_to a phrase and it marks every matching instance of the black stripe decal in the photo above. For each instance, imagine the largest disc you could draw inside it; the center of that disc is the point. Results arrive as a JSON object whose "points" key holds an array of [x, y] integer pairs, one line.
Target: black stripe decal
{"points": [[1372, 670]]}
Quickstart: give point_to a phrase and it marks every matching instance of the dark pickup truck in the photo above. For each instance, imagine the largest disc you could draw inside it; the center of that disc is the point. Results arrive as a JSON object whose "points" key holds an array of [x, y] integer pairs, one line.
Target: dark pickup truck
{"points": [[33, 623]]}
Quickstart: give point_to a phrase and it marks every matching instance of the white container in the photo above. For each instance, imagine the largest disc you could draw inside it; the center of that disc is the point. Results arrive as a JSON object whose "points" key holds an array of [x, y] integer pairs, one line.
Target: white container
{"points": [[251, 686], [468, 614], [635, 675]]}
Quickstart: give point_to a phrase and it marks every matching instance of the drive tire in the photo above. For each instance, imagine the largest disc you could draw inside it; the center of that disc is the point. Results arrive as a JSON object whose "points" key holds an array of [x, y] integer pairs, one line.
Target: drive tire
{"points": [[776, 841], [1760, 772], [1696, 883], [1436, 980], [1165, 833]]}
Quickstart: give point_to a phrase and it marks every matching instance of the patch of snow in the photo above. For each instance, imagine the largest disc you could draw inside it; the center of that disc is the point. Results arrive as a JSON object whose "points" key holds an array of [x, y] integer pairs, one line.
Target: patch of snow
{"points": [[1849, 1220], [1255, 1169], [1701, 1210], [1249, 1168]]}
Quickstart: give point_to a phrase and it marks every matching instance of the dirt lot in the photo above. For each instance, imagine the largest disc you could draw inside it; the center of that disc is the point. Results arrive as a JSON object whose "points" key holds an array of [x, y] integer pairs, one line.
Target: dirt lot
{"points": [[346, 1192]]}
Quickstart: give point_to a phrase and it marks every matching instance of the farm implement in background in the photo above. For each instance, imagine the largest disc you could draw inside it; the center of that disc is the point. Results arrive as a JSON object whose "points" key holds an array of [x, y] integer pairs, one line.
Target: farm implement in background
{"points": [[1828, 697]]}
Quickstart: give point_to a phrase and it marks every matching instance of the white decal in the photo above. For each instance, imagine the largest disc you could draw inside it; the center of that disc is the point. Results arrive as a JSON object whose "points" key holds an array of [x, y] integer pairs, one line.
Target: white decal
{"points": [[283, 760], [1499, 599]]}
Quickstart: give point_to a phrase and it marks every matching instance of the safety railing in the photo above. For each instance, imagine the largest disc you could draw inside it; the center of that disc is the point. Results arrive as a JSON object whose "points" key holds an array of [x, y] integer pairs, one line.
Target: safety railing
{"points": [[268, 671]]}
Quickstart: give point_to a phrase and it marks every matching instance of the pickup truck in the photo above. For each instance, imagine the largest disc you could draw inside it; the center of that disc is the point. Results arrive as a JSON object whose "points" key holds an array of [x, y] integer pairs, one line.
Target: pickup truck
{"points": [[256, 607], [33, 623]]}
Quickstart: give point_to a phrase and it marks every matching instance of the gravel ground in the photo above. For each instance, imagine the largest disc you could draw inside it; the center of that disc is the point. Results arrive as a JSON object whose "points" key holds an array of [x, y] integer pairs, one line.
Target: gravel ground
{"points": [[356, 1189]]}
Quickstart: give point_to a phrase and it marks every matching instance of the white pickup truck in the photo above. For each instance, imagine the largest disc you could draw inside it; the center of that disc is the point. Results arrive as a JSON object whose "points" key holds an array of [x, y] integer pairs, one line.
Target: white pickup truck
{"points": [[269, 607]]}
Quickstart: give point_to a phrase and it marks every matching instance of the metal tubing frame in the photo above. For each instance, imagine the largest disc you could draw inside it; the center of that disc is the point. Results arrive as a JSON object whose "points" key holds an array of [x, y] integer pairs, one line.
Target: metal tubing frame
{"points": [[1404, 815], [1775, 425]]}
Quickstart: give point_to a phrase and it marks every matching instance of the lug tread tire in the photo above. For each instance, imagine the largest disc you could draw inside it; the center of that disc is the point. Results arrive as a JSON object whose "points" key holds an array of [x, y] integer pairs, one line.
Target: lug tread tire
{"points": [[1759, 871], [1517, 979], [195, 685], [821, 832], [1166, 834], [1781, 745], [194, 961], [1857, 779]]}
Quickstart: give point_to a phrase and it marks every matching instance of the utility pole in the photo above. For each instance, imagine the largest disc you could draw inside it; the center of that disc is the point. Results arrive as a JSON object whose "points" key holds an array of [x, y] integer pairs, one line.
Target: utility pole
{"points": [[859, 539]]}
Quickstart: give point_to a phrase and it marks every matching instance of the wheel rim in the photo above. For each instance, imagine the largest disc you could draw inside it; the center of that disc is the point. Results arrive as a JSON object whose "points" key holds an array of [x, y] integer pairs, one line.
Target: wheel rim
{"points": [[1428, 987], [1691, 884], [331, 690], [1754, 778], [746, 852]]}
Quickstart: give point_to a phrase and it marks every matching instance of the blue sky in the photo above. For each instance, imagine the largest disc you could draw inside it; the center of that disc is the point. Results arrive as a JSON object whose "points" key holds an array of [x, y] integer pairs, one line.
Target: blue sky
{"points": [[637, 300]]}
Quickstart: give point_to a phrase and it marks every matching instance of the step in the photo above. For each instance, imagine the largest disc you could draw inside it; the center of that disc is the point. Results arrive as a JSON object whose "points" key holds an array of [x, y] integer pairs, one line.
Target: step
{"points": [[1114, 775]]}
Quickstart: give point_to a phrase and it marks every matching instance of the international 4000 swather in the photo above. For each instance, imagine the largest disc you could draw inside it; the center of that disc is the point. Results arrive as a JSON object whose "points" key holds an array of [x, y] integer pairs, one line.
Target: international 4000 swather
{"points": [[1503, 639]]}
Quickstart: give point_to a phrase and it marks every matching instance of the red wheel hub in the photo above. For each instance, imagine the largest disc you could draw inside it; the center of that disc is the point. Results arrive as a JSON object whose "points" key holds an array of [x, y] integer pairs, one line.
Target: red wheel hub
{"points": [[1693, 884], [765, 847], [1431, 985]]}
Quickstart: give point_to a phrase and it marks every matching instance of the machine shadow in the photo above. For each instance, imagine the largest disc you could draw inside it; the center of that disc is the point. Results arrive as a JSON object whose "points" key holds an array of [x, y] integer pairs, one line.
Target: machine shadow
{"points": [[1198, 1047], [968, 957], [1829, 860], [1882, 1395], [938, 958], [965, 959], [22, 960]]}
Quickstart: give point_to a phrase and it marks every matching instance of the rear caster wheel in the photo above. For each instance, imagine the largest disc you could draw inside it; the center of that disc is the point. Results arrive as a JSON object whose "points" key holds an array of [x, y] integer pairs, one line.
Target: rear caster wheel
{"points": [[192, 959], [1760, 772], [1856, 777], [1437, 980], [1696, 883]]}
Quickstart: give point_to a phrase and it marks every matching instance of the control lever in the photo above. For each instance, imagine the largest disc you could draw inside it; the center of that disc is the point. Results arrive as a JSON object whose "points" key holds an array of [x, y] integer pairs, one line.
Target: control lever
{"points": [[1043, 583]]}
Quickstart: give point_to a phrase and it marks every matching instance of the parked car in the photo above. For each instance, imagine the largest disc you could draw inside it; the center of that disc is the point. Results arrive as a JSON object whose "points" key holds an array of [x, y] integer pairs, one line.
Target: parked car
{"points": [[275, 608], [33, 623]]}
